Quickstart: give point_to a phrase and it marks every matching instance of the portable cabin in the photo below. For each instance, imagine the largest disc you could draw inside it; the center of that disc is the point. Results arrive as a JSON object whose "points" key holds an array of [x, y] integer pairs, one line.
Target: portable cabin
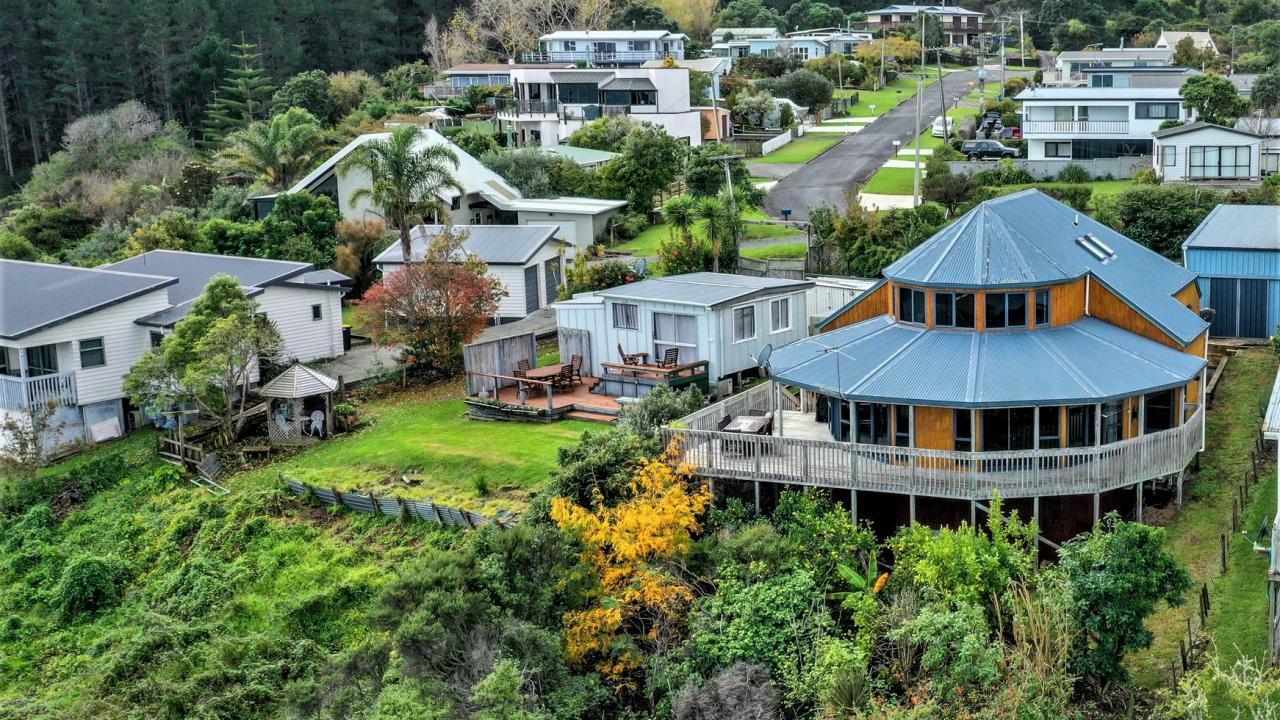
{"points": [[527, 259], [724, 320], [1236, 253]]}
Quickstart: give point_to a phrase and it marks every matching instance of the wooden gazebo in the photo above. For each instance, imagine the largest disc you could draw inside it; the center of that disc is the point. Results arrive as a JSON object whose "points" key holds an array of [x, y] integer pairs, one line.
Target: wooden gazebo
{"points": [[289, 394]]}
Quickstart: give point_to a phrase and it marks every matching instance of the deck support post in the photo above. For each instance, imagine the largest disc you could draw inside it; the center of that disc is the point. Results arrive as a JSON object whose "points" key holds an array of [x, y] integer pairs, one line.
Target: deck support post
{"points": [[911, 510], [853, 506], [973, 513], [1178, 501], [1035, 518], [1097, 506], [757, 483], [1138, 511]]}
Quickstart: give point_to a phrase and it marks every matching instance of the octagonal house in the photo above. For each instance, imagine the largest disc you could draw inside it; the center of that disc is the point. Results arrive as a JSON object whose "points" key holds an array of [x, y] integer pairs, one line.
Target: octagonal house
{"points": [[1025, 350]]}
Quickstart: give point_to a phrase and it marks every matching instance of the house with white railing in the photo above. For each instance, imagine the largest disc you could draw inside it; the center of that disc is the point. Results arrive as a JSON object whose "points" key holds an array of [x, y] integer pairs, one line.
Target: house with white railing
{"points": [[69, 335], [1025, 351], [1086, 123], [607, 48]]}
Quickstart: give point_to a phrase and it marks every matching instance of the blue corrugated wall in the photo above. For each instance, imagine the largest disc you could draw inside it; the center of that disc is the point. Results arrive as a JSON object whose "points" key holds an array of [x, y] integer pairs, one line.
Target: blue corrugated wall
{"points": [[1234, 263]]}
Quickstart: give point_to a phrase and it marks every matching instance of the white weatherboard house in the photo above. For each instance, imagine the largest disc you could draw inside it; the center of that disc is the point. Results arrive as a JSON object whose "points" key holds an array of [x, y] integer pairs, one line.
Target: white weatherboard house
{"points": [[550, 103], [1084, 123], [486, 199], [722, 319], [1203, 151], [608, 47], [69, 335], [527, 259], [1200, 40]]}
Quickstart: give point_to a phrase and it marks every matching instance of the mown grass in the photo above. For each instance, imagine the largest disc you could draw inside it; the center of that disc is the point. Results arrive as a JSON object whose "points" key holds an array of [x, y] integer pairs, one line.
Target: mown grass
{"points": [[886, 99], [646, 244], [1238, 616], [892, 181], [800, 150], [788, 251]]}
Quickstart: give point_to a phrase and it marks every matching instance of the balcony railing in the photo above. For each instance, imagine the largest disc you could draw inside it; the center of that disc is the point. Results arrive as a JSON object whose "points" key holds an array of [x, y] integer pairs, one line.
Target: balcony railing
{"points": [[528, 107], [1076, 127], [598, 57], [443, 91], [937, 473], [19, 393]]}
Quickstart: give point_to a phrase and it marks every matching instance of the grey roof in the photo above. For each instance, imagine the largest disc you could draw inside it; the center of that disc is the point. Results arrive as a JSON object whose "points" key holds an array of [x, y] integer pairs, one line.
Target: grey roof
{"points": [[172, 314], [1084, 362], [629, 83], [194, 270], [1240, 227], [322, 277], [1028, 238], [581, 76], [704, 289], [494, 244], [298, 381], [1118, 54], [36, 296], [1199, 125], [934, 9], [1092, 93]]}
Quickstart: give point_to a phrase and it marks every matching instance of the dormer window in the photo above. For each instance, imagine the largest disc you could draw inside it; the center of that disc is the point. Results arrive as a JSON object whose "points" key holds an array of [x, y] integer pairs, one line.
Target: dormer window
{"points": [[911, 305]]}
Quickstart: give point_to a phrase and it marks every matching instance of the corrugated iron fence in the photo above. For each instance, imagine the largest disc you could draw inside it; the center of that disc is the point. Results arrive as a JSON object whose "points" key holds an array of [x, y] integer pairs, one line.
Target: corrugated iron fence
{"points": [[394, 506]]}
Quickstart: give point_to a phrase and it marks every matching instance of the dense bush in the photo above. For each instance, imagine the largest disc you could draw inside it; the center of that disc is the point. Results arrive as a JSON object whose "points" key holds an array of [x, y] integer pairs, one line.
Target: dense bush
{"points": [[1158, 216], [1146, 176], [88, 584], [583, 276], [1077, 196], [1073, 173], [1005, 173]]}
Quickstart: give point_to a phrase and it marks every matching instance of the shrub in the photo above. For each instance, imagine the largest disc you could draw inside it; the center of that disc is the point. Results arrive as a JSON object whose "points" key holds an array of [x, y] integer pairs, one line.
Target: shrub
{"points": [[15, 247], [587, 277], [1148, 176], [1006, 173], [1073, 173], [88, 584], [1077, 196], [628, 225]]}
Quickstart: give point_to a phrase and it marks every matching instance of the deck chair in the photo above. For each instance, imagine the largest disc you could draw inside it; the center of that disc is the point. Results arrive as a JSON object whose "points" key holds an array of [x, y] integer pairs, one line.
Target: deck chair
{"points": [[576, 364], [670, 358], [316, 426], [564, 379], [521, 368], [631, 358]]}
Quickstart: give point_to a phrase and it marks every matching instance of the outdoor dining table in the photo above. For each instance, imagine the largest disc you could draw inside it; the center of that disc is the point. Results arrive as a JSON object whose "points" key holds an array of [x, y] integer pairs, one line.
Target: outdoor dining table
{"points": [[748, 424], [546, 373]]}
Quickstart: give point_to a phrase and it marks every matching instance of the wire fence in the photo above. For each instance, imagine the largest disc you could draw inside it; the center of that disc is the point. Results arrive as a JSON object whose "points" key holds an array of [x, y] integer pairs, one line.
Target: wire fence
{"points": [[396, 507]]}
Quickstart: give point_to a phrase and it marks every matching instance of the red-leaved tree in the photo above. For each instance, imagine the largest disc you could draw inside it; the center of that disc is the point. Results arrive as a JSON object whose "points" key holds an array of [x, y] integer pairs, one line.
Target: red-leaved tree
{"points": [[431, 307]]}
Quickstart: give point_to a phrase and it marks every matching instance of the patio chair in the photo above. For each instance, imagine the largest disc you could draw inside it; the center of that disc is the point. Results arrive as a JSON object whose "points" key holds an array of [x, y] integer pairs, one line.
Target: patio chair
{"points": [[631, 358], [521, 368], [576, 364], [564, 379], [670, 358], [316, 426]]}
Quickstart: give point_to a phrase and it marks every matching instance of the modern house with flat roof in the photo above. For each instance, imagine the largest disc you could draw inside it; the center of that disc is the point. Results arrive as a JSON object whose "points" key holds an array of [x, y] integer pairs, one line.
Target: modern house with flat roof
{"points": [[462, 76], [549, 104], [69, 335], [527, 259], [1026, 350], [1236, 253], [607, 48], [1069, 65], [1083, 123], [802, 44], [486, 198], [1204, 152], [960, 27]]}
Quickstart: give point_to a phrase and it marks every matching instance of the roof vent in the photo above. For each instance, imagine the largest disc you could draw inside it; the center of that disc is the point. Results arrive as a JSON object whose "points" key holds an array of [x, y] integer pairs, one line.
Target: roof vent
{"points": [[1076, 221], [1096, 247]]}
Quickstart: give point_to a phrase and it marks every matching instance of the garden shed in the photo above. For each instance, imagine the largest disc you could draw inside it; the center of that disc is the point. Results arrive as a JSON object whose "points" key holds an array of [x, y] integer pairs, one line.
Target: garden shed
{"points": [[1236, 252]]}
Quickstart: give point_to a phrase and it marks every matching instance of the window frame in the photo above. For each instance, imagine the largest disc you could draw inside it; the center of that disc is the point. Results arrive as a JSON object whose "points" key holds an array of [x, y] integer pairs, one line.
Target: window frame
{"points": [[1047, 305], [956, 437], [633, 315], [1168, 156], [1202, 166], [915, 295], [317, 312], [156, 338], [733, 318], [101, 350], [784, 302], [1142, 110], [1004, 308], [1056, 151]]}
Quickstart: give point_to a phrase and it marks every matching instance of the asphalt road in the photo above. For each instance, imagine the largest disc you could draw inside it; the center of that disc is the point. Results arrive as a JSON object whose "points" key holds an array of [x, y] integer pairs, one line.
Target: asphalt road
{"points": [[833, 174]]}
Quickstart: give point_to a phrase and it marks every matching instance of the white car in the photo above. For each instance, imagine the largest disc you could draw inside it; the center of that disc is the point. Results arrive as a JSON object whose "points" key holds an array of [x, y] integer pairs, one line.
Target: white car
{"points": [[940, 126]]}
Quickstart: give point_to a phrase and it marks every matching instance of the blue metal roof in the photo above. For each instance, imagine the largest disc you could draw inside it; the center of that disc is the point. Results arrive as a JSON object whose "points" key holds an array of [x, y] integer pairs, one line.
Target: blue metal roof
{"points": [[1238, 227], [878, 360], [1028, 238]]}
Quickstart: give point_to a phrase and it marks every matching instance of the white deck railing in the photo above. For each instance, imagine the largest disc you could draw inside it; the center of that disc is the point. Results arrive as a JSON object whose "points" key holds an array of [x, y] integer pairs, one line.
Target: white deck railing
{"points": [[1076, 127], [18, 393], [937, 473]]}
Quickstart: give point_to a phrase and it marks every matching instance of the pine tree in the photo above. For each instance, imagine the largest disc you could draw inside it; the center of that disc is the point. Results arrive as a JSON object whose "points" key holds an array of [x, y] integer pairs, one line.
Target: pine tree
{"points": [[242, 95]]}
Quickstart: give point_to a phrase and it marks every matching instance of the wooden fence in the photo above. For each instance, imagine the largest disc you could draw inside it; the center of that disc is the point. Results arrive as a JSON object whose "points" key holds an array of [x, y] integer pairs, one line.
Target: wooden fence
{"points": [[787, 268], [575, 342], [498, 358], [393, 506]]}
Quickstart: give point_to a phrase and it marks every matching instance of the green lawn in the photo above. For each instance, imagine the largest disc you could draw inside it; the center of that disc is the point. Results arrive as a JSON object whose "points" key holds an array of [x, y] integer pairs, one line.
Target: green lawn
{"points": [[1238, 618], [423, 435], [889, 97], [484, 126], [646, 244], [789, 251], [892, 181], [800, 150]]}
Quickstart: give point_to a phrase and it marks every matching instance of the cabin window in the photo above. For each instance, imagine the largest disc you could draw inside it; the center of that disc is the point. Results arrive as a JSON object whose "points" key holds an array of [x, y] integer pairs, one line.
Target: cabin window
{"points": [[1057, 149], [626, 316], [1008, 429], [317, 313], [157, 338], [1227, 161], [1042, 307], [962, 432], [911, 305], [1158, 414], [1006, 310], [4, 362], [1050, 430], [873, 423], [1155, 111], [953, 309], [1112, 421], [1080, 426], [42, 360], [902, 425], [675, 331], [92, 353], [744, 323], [1168, 156], [780, 314]]}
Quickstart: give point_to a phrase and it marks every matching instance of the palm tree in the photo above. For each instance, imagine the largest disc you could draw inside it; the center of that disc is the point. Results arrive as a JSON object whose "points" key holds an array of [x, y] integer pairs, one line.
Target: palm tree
{"points": [[279, 150], [406, 181], [718, 223], [680, 215]]}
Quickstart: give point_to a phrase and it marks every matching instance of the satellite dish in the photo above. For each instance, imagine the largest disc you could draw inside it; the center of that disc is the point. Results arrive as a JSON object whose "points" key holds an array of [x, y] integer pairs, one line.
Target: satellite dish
{"points": [[762, 360], [640, 267]]}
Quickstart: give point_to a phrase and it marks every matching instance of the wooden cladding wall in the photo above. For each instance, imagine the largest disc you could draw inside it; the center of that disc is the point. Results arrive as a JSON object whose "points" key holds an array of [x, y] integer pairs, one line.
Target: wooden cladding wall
{"points": [[873, 304], [935, 428], [1066, 302], [1190, 296], [1106, 305]]}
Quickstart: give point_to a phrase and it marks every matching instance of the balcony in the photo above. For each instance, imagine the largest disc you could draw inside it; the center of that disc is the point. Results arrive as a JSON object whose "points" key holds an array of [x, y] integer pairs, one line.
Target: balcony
{"points": [[20, 393], [529, 109], [599, 57], [1075, 127], [442, 91], [796, 453]]}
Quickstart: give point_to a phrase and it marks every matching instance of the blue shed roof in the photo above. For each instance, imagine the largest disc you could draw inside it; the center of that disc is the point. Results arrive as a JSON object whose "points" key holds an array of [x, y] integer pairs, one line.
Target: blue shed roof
{"points": [[878, 360], [1238, 227], [1028, 238]]}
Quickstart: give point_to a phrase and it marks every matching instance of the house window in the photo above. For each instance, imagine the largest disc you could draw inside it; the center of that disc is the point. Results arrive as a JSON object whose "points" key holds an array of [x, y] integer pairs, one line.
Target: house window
{"points": [[1102, 81], [1155, 111], [902, 425], [1080, 426], [873, 423], [1008, 429], [570, 45], [675, 331], [317, 313], [953, 309], [1006, 310], [1158, 414], [626, 316], [744, 323], [92, 353], [578, 93], [780, 314], [1270, 163], [1050, 430], [4, 362], [1057, 149], [1227, 161], [1168, 156], [1042, 307], [911, 305], [962, 432], [157, 338], [42, 360], [1112, 421]]}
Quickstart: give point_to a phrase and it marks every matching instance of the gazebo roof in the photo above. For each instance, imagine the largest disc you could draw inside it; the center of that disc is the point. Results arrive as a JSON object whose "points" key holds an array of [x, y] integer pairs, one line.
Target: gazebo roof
{"points": [[297, 382]]}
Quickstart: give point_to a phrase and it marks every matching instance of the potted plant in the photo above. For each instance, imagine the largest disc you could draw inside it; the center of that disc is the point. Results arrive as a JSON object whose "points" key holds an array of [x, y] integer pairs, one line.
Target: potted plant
{"points": [[347, 411]]}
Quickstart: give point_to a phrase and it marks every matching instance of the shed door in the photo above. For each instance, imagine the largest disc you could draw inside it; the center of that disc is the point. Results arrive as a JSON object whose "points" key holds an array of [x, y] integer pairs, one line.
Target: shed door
{"points": [[1253, 309], [531, 290], [1222, 298], [552, 268]]}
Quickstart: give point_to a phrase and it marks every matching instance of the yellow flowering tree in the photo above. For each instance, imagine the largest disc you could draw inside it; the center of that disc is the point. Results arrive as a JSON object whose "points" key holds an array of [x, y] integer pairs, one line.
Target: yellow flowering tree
{"points": [[637, 601]]}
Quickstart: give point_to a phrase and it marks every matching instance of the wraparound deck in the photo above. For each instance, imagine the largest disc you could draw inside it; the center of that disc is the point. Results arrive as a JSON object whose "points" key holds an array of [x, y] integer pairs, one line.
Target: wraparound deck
{"points": [[797, 453]]}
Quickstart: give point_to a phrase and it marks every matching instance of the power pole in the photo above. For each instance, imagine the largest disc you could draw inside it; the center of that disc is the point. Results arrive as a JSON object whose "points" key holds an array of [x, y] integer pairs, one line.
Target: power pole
{"points": [[942, 99], [733, 210], [883, 38], [915, 180], [1003, 29]]}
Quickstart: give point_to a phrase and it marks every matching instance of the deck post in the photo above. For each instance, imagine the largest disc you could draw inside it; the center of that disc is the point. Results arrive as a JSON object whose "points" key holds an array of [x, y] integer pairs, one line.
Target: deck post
{"points": [[973, 513], [1097, 505], [912, 508], [853, 505], [1178, 501], [1035, 518], [1138, 511], [757, 484]]}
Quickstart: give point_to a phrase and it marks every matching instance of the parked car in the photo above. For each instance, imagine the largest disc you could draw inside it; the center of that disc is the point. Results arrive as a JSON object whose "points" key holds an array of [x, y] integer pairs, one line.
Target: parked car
{"points": [[1011, 133], [987, 150], [940, 124]]}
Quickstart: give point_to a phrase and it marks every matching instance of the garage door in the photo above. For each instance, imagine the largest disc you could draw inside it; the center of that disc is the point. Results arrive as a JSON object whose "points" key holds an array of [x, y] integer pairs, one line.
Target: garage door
{"points": [[1252, 307], [1222, 298]]}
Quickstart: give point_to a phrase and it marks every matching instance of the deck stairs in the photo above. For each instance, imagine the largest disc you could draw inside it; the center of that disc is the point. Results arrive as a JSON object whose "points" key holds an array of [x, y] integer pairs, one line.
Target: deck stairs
{"points": [[207, 473]]}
